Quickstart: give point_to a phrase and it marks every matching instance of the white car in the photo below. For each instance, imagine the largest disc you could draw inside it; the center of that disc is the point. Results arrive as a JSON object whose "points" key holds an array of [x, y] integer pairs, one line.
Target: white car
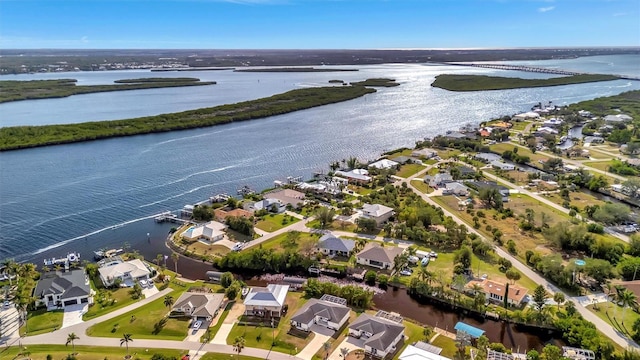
{"points": [[406, 272], [143, 283], [6, 305], [197, 325], [237, 247]]}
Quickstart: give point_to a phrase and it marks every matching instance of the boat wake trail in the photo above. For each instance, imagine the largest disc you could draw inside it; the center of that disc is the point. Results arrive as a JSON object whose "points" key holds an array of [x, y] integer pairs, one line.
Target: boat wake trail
{"points": [[61, 243]]}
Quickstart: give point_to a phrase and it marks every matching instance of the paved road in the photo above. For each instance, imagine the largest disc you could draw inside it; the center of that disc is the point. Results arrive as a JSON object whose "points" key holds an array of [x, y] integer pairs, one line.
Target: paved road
{"points": [[537, 278]]}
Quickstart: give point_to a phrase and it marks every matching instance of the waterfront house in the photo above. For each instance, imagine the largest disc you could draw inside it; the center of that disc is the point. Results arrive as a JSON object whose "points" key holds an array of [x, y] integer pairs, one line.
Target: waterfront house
{"points": [[377, 212], [496, 292], [380, 333], [329, 311], [288, 197], [501, 165], [266, 301], [384, 164], [425, 153], [198, 306], [553, 122], [355, 176], [331, 245], [406, 160], [377, 256], [222, 214], [127, 272], [422, 351], [57, 289], [525, 116], [210, 232], [577, 353], [438, 180], [545, 130], [268, 204]]}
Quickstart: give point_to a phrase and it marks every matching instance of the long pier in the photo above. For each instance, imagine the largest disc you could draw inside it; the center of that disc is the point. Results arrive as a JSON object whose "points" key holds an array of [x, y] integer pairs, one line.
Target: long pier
{"points": [[536, 69], [169, 217]]}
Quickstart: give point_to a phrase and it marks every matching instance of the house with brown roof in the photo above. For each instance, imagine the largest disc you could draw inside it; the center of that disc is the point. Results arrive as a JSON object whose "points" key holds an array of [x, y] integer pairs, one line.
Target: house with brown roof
{"points": [[496, 291], [380, 335], [287, 197], [377, 256], [222, 214]]}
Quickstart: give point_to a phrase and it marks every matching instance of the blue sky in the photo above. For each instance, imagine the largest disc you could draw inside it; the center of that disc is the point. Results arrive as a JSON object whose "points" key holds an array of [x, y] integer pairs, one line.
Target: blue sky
{"points": [[314, 24]]}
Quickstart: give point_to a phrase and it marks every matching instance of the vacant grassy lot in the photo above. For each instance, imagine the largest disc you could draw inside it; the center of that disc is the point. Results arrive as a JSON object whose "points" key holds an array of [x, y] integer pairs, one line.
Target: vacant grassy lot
{"points": [[409, 169], [615, 315], [577, 198], [304, 243], [515, 176], [40, 352], [421, 186], [594, 153], [120, 297], [144, 323], [600, 165], [522, 151], [273, 222], [42, 321], [262, 337]]}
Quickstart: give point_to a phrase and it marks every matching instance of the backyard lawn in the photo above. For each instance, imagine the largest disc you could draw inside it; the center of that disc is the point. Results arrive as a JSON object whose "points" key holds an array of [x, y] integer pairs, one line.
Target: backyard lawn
{"points": [[42, 321], [273, 222], [447, 345], [499, 148], [409, 169], [40, 352], [144, 323], [262, 336], [413, 333], [113, 300]]}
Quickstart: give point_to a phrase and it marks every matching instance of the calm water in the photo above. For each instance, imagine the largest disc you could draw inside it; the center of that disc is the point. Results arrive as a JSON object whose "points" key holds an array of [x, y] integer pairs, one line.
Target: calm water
{"points": [[63, 198]]}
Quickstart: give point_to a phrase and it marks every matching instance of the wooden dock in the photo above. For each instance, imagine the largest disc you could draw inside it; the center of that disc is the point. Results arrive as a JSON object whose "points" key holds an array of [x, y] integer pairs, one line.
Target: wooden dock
{"points": [[169, 217]]}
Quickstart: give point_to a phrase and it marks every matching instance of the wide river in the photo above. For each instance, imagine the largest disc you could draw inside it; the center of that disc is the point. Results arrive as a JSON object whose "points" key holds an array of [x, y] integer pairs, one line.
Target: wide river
{"points": [[81, 197]]}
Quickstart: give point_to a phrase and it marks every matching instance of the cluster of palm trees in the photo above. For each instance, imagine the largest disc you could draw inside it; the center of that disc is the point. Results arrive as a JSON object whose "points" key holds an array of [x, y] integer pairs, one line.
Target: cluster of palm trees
{"points": [[622, 296], [72, 337], [24, 275]]}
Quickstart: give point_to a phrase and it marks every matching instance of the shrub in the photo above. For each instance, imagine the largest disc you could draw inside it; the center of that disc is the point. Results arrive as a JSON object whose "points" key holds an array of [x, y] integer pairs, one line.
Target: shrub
{"points": [[370, 277]]}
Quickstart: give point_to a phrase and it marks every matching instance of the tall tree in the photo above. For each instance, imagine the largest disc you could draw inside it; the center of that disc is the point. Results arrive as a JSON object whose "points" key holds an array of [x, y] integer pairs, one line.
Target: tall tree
{"points": [[71, 338], [175, 257], [539, 297], [238, 344], [325, 216], [168, 300], [126, 339]]}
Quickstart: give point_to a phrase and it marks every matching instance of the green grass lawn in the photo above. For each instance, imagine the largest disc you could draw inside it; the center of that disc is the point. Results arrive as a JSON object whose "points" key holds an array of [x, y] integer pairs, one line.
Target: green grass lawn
{"points": [[42, 321], [305, 242], [273, 222], [262, 337], [600, 165], [614, 315], [121, 299], [421, 186], [409, 169], [213, 356], [40, 352], [522, 151], [447, 345], [140, 323], [576, 198], [413, 332]]}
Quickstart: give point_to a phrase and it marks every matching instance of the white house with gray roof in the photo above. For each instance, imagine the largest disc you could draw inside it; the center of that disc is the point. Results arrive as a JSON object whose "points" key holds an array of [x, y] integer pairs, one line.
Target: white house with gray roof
{"points": [[266, 301], [377, 256], [197, 305], [57, 289], [331, 245], [127, 272], [384, 164], [380, 335], [438, 180], [329, 311], [377, 212]]}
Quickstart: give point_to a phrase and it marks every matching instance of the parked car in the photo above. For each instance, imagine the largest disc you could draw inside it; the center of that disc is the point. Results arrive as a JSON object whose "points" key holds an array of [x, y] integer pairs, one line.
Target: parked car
{"points": [[197, 325], [144, 283], [237, 246], [6, 305], [406, 272]]}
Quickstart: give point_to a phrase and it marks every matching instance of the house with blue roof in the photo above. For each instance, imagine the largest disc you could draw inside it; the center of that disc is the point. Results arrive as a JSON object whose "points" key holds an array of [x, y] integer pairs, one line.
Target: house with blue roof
{"points": [[266, 301]]}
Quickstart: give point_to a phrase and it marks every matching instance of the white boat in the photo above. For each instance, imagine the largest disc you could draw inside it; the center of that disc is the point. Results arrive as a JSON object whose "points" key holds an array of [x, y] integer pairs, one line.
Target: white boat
{"points": [[64, 261]]}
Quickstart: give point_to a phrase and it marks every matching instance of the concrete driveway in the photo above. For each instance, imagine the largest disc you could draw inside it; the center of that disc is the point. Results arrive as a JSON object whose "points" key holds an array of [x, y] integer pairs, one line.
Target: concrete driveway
{"points": [[321, 336], [223, 332], [150, 291], [73, 314], [349, 343], [10, 323]]}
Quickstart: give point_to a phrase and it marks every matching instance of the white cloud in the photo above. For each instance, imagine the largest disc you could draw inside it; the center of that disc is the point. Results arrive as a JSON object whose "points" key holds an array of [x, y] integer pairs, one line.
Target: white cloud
{"points": [[546, 9], [620, 14], [84, 39]]}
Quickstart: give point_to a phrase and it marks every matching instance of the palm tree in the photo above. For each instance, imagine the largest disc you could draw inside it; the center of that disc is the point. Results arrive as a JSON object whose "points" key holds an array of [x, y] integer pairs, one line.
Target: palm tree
{"points": [[70, 339], [361, 243], [126, 339], [400, 262], [477, 288], [425, 275], [11, 266], [628, 299], [558, 298], [168, 300], [238, 344], [175, 257]]}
